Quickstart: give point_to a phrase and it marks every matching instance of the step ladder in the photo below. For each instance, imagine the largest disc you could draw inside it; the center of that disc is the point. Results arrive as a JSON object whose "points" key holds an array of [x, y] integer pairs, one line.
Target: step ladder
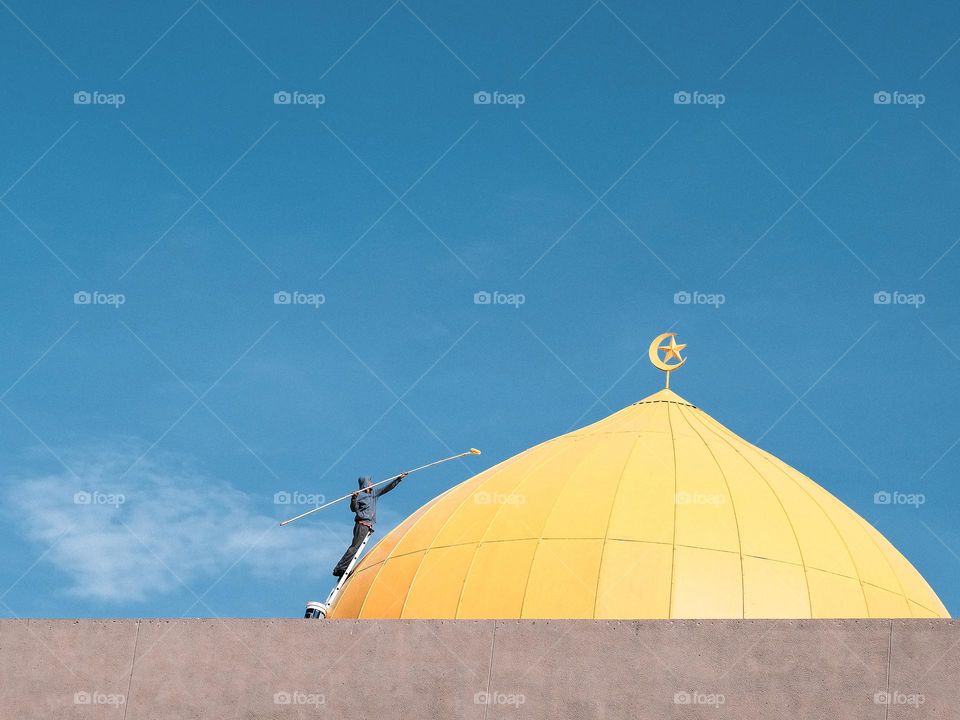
{"points": [[318, 610]]}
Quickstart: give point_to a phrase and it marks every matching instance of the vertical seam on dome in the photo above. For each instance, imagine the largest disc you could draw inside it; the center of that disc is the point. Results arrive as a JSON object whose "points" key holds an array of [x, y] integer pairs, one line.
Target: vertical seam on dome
{"points": [[546, 520], [673, 549], [733, 505], [793, 530], [426, 547], [476, 550], [383, 563], [389, 555], [843, 540], [868, 531], [606, 529], [883, 556]]}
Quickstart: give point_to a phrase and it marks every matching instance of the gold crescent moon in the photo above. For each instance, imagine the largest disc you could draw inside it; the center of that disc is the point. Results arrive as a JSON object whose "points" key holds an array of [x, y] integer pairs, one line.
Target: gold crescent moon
{"points": [[655, 357]]}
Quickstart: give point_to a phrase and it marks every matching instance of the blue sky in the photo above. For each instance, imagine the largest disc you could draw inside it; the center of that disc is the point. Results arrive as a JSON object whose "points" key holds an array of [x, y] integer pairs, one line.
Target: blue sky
{"points": [[784, 186]]}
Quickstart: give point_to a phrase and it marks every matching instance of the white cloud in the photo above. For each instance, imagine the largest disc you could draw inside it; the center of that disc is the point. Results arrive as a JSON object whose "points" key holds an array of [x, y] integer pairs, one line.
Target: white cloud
{"points": [[161, 521]]}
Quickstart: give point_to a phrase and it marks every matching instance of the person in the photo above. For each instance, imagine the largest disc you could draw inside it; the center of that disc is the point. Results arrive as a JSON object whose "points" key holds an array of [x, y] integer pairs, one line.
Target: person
{"points": [[363, 504]]}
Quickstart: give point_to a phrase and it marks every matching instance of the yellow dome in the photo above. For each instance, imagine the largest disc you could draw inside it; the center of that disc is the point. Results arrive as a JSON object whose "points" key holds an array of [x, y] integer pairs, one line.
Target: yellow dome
{"points": [[657, 511]]}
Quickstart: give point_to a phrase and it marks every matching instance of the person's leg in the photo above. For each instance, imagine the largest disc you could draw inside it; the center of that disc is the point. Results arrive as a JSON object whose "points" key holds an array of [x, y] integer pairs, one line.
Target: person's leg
{"points": [[359, 533]]}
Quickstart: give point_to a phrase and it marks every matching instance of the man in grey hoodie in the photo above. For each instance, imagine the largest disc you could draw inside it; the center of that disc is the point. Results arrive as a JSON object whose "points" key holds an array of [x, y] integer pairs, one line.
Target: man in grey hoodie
{"points": [[363, 504]]}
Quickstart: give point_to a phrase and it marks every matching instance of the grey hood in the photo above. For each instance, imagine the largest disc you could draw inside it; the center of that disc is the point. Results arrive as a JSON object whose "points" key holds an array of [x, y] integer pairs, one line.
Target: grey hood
{"points": [[364, 504]]}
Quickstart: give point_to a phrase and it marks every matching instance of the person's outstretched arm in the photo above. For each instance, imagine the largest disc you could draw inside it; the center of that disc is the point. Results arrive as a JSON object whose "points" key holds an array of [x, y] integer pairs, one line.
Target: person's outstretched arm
{"points": [[390, 485]]}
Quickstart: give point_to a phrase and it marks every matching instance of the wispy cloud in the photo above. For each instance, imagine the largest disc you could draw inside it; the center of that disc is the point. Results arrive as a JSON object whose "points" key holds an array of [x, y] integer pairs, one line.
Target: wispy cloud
{"points": [[120, 537]]}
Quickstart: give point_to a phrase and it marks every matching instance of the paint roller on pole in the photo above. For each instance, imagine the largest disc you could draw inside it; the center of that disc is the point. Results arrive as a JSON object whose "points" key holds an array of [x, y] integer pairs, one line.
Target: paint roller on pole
{"points": [[471, 451]]}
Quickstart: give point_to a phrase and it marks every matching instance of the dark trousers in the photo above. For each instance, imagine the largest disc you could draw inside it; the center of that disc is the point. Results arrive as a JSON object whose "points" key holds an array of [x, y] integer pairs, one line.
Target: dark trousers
{"points": [[360, 532]]}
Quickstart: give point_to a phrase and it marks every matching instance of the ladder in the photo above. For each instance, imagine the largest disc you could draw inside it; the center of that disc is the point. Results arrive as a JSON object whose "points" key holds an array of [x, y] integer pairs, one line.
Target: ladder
{"points": [[318, 610]]}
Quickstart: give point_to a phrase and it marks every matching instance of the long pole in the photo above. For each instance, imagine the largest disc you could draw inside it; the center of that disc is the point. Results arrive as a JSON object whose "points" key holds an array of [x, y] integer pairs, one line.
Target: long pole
{"points": [[471, 451]]}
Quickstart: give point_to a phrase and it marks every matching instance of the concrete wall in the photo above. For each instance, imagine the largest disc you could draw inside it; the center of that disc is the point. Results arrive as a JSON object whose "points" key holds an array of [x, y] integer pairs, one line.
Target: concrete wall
{"points": [[213, 669]]}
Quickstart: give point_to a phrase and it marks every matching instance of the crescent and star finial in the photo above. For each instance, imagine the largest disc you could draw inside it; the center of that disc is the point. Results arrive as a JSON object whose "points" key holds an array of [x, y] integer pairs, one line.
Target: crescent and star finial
{"points": [[671, 351]]}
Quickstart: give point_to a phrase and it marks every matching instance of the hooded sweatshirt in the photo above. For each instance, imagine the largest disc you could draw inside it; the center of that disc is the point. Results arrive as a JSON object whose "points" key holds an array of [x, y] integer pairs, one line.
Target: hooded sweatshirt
{"points": [[365, 504]]}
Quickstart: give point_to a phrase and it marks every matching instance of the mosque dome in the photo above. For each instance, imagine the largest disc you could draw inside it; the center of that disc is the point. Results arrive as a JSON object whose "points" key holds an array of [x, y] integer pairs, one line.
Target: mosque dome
{"points": [[657, 511]]}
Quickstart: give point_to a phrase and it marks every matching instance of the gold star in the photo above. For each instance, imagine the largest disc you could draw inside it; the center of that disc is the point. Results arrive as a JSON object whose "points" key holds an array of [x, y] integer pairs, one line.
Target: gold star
{"points": [[672, 350]]}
